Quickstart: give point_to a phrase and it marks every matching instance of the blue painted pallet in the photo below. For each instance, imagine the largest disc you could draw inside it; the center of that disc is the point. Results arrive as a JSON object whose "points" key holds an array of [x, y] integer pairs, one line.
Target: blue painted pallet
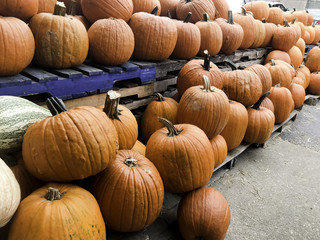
{"points": [[75, 82]]}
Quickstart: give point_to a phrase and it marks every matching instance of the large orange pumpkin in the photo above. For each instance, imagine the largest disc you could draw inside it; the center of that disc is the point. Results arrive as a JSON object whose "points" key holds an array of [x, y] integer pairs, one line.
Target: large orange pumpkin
{"points": [[56, 47], [314, 85], [260, 9], [22, 9], [276, 15], [197, 8], [277, 55], [68, 209], [207, 108], [183, 155], [161, 107], [188, 41], [312, 60], [211, 36], [111, 41], [235, 129], [284, 37], [122, 118], [72, 144], [298, 94], [260, 122], [280, 73], [155, 37], [247, 22], [130, 192], [94, 10], [203, 214], [192, 72], [232, 34], [17, 46]]}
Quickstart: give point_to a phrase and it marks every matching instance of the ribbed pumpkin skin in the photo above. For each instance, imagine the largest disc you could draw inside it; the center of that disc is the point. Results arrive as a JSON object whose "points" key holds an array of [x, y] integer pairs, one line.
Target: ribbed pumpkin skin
{"points": [[197, 8], [126, 127], [232, 36], [301, 16], [267, 103], [72, 145], [270, 28], [94, 10], [295, 56], [188, 41], [247, 22], [309, 18], [130, 198], [139, 147], [46, 6], [264, 75], [207, 110], [317, 34], [185, 162], [298, 81], [220, 149], [203, 214], [284, 38], [111, 41], [298, 94], [260, 34], [314, 85], [222, 8], [155, 37], [312, 33], [297, 29], [260, 9], [278, 55], [211, 37], [17, 46], [61, 42], [281, 98], [22, 9], [76, 215], [301, 45], [170, 5], [302, 77], [16, 115], [242, 86], [260, 125], [10, 194], [235, 129], [306, 37], [303, 69], [313, 61], [167, 109], [280, 74], [191, 75], [276, 16], [146, 6]]}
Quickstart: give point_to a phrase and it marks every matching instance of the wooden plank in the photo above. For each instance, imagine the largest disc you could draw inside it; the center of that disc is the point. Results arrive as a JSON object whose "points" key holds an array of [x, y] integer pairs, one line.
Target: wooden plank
{"points": [[38, 74], [88, 70], [16, 80], [66, 73]]}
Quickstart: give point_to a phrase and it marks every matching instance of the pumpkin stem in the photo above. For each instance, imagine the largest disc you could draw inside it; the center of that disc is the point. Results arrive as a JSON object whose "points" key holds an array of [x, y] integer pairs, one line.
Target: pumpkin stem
{"points": [[55, 105], [172, 130], [306, 10], [230, 17], [72, 8], [231, 64], [59, 9], [187, 19], [187, 1], [169, 14], [53, 194], [130, 162], [278, 85], [256, 106], [206, 63], [243, 11], [155, 10], [264, 20], [313, 24], [111, 105], [206, 17], [160, 98], [294, 20], [294, 9], [272, 62], [206, 84], [285, 23]]}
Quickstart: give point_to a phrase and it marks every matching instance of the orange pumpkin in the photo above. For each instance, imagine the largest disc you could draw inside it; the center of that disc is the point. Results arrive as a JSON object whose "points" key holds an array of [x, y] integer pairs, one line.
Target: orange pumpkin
{"points": [[22, 9], [267, 103], [270, 28], [314, 85], [46, 6], [276, 15], [222, 8], [306, 72], [232, 34], [169, 5], [146, 6], [260, 34], [264, 75], [220, 149], [312, 34], [301, 45], [197, 8], [284, 37], [312, 60], [295, 56], [278, 55], [298, 94], [309, 18], [280, 73], [316, 34], [139, 147], [260, 9], [247, 22]]}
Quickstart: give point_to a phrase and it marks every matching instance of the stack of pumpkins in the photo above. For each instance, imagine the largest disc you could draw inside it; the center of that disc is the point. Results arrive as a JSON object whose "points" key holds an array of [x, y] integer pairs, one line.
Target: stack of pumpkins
{"points": [[120, 30]]}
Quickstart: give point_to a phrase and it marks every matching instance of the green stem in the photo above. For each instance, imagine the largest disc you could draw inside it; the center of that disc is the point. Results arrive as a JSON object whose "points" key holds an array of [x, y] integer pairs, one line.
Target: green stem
{"points": [[230, 17], [53, 194], [187, 19], [256, 106], [111, 105], [59, 9], [172, 130], [206, 58], [55, 105], [130, 162]]}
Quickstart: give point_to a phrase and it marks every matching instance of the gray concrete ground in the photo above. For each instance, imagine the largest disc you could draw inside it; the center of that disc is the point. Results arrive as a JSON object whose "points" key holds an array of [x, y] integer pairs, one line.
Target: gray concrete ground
{"points": [[273, 192]]}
